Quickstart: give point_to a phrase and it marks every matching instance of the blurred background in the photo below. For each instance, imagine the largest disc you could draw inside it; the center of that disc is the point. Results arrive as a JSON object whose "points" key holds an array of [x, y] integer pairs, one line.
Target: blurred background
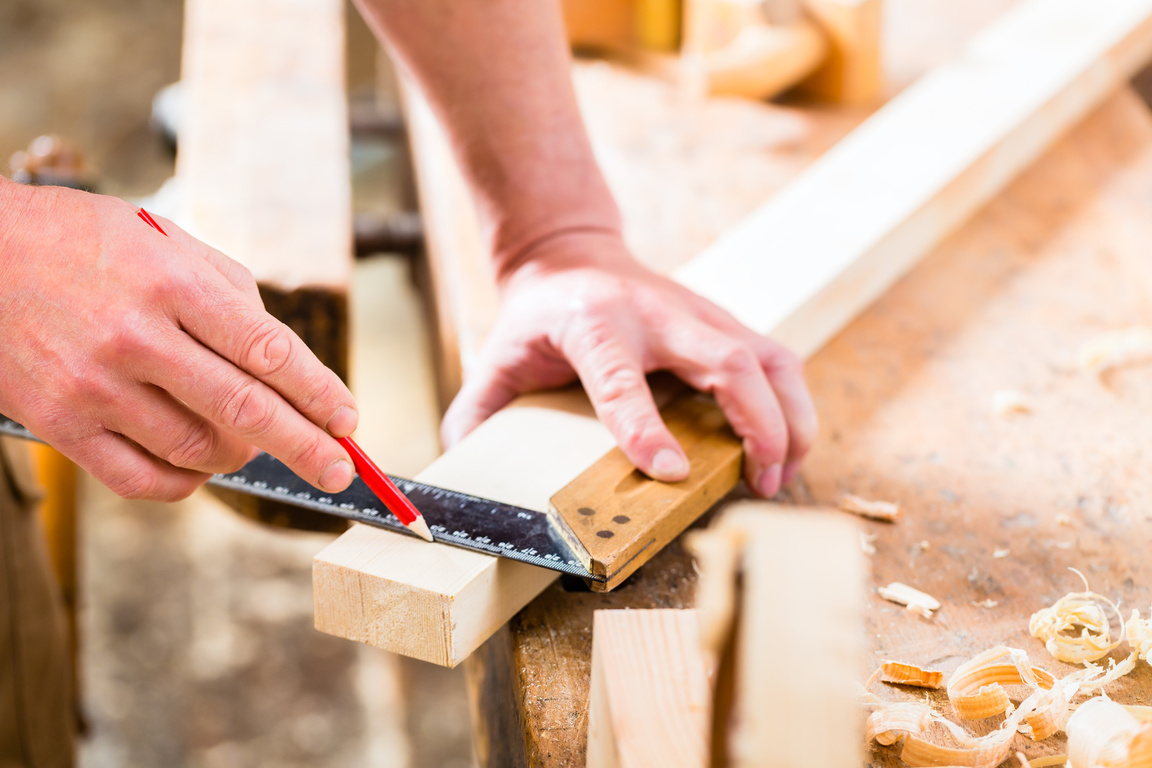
{"points": [[197, 641]]}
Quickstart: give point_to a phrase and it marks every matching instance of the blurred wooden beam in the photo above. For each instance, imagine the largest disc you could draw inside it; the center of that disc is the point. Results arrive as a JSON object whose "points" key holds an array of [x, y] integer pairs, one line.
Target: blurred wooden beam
{"points": [[263, 165]]}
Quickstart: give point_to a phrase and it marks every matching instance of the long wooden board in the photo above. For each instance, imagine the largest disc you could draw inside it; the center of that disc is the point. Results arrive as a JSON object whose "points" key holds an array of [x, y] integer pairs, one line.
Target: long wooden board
{"points": [[365, 586], [814, 256]]}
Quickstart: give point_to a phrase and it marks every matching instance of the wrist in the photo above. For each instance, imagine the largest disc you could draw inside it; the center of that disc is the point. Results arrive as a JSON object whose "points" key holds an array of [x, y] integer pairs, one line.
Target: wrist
{"points": [[566, 249]]}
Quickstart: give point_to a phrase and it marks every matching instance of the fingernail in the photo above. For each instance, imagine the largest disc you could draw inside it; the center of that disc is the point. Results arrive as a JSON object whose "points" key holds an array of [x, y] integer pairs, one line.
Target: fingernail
{"points": [[790, 470], [343, 422], [667, 464], [769, 482], [337, 476]]}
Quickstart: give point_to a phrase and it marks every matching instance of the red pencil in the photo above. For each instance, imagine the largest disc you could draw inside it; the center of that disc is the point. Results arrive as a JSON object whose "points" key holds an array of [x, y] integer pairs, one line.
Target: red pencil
{"points": [[397, 503]]}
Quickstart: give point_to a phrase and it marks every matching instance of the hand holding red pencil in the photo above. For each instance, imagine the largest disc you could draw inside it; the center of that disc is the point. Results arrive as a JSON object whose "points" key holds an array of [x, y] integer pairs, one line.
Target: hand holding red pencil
{"points": [[150, 361], [373, 477]]}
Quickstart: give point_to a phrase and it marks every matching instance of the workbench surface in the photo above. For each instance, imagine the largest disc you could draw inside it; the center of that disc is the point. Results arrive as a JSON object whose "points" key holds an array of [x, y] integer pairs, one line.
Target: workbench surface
{"points": [[996, 508], [905, 397]]}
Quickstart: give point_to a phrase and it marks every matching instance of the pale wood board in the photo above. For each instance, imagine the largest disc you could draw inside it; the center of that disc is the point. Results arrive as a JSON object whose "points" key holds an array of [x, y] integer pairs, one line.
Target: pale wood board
{"points": [[263, 163], [800, 645], [650, 691], [356, 585], [801, 267]]}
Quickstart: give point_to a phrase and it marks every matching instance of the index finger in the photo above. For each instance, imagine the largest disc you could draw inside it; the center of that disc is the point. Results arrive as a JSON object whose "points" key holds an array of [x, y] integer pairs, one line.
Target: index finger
{"points": [[217, 315]]}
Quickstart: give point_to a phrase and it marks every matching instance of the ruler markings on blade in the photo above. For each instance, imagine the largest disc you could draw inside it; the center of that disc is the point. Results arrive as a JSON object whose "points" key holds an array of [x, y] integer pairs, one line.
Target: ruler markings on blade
{"points": [[455, 518]]}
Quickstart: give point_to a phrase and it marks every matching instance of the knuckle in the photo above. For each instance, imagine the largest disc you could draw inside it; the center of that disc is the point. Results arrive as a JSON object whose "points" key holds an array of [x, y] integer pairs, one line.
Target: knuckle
{"points": [[138, 484], [617, 385], [268, 347], [736, 360], [771, 442], [804, 433], [126, 337], [630, 435], [322, 398], [196, 447], [247, 409], [307, 455]]}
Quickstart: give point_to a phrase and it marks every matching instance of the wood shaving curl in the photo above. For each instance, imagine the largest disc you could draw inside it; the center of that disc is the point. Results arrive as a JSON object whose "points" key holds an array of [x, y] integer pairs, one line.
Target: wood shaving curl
{"points": [[887, 511], [916, 725], [1078, 627], [976, 690], [913, 599], [1103, 734], [899, 673], [1139, 635]]}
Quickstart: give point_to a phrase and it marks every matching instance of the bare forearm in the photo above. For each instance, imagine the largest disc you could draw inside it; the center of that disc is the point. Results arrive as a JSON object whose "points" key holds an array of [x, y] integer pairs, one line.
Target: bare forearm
{"points": [[497, 74]]}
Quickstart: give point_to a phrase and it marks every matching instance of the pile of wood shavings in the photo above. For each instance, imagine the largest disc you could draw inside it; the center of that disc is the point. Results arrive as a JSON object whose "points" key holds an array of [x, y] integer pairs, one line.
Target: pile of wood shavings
{"points": [[1101, 733]]}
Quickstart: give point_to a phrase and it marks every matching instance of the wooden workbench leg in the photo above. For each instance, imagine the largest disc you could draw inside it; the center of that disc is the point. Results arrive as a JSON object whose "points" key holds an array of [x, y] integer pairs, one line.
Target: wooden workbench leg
{"points": [[493, 698], [56, 475]]}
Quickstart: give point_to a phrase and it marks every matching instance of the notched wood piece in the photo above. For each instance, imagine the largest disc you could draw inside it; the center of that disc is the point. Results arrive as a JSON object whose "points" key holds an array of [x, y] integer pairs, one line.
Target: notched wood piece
{"points": [[887, 511], [1113, 349], [899, 673], [1079, 627], [718, 551], [621, 518], [1103, 734], [913, 599]]}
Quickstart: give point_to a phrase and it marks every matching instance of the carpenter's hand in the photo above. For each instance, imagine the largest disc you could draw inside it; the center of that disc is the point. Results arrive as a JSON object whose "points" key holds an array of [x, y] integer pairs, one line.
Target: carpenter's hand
{"points": [[150, 360], [581, 306]]}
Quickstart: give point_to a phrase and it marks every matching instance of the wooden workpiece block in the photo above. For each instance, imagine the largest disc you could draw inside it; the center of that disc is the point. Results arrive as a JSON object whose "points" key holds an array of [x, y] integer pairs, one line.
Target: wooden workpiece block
{"points": [[799, 645], [439, 603], [621, 517], [796, 588], [650, 691]]}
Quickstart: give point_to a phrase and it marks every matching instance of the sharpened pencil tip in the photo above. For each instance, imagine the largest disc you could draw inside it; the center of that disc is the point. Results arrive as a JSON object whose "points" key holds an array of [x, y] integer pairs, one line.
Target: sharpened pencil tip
{"points": [[420, 528]]}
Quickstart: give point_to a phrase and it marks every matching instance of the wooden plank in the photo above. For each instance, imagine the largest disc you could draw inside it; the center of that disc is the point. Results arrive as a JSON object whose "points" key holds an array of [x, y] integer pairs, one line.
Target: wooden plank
{"points": [[798, 589], [263, 169], [263, 150], [650, 691], [459, 274], [800, 641], [814, 256]]}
